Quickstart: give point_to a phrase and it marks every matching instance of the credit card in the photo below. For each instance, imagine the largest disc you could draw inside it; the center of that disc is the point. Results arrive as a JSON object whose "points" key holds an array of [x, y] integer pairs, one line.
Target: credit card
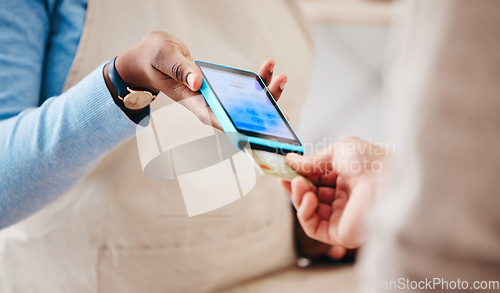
{"points": [[273, 164]]}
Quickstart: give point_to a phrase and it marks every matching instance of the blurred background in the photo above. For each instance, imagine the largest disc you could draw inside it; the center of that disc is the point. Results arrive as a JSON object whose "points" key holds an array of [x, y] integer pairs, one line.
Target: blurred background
{"points": [[350, 42]]}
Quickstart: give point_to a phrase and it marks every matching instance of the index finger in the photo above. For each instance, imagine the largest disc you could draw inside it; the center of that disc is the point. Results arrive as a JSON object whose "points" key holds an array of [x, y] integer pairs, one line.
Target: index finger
{"points": [[317, 167], [266, 71], [318, 163]]}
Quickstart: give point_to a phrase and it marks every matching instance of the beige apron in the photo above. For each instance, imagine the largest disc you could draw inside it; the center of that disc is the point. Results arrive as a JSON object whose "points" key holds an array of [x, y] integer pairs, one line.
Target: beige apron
{"points": [[120, 231]]}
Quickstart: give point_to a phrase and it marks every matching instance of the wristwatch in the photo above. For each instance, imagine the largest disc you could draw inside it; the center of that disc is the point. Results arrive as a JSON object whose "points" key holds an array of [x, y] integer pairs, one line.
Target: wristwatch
{"points": [[132, 99]]}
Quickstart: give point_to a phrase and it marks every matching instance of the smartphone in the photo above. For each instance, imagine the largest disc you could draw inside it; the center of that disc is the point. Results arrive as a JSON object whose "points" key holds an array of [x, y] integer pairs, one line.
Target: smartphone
{"points": [[250, 116]]}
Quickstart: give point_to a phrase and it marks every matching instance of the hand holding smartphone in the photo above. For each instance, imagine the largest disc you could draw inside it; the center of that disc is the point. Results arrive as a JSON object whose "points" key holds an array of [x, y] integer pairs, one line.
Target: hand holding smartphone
{"points": [[250, 116]]}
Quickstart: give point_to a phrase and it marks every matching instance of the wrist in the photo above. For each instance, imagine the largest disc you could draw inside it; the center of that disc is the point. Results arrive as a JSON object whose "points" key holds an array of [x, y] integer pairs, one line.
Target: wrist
{"points": [[131, 113], [132, 70]]}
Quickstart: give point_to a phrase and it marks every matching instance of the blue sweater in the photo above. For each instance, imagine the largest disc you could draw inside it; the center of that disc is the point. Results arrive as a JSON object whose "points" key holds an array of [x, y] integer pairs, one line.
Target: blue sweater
{"points": [[48, 140]]}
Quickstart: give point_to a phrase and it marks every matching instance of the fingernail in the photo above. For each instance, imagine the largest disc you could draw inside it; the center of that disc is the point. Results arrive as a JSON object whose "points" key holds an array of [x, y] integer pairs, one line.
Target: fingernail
{"points": [[283, 83], [190, 80], [271, 68]]}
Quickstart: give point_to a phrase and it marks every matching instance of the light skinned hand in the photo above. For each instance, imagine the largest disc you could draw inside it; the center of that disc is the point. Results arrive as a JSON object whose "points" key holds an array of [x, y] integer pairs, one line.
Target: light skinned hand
{"points": [[162, 62], [312, 248], [344, 176]]}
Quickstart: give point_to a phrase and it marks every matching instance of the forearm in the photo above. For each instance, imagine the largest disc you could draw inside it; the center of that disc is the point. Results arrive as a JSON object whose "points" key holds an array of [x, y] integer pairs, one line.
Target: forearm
{"points": [[46, 150]]}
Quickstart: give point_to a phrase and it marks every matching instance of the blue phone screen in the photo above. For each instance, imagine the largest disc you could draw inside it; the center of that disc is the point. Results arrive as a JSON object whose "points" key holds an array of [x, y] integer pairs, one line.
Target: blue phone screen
{"points": [[247, 103]]}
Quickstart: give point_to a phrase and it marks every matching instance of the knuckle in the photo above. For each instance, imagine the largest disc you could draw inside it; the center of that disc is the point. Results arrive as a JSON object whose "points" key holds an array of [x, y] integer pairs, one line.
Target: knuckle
{"points": [[154, 35], [309, 233], [151, 39], [181, 91], [159, 58], [203, 117], [341, 239], [344, 239], [351, 138], [177, 70]]}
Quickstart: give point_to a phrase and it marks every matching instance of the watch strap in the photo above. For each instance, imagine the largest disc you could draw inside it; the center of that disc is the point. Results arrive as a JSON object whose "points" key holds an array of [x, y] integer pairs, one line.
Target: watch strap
{"points": [[117, 82]]}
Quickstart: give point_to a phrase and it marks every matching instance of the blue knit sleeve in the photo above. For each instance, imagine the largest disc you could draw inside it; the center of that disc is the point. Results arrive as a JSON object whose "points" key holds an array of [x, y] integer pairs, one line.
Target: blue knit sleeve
{"points": [[45, 149], [24, 30]]}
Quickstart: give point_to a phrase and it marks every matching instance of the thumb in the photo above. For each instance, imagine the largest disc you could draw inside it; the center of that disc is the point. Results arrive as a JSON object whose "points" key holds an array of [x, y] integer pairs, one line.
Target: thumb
{"points": [[315, 164], [180, 68]]}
